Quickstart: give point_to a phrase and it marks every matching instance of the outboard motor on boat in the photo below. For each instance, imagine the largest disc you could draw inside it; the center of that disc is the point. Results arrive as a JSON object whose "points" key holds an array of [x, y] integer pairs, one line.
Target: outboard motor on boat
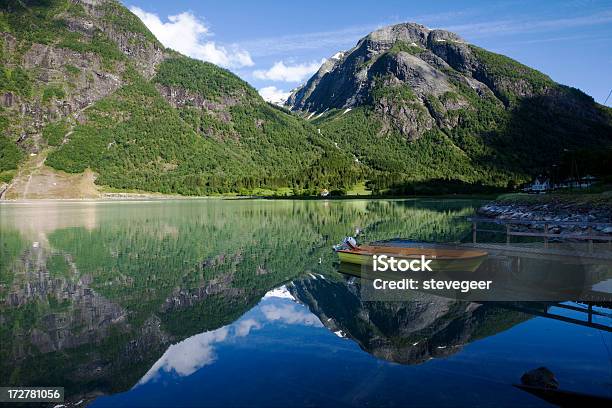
{"points": [[347, 243], [350, 242]]}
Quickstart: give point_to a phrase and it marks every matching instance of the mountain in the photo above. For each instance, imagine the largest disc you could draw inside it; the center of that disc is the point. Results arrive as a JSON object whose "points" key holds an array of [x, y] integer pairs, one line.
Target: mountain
{"points": [[421, 106], [87, 93], [410, 332]]}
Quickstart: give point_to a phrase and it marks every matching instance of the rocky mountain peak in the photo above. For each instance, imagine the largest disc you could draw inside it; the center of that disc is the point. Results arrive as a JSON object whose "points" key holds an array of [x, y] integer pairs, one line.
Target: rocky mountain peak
{"points": [[406, 51], [430, 63], [410, 33]]}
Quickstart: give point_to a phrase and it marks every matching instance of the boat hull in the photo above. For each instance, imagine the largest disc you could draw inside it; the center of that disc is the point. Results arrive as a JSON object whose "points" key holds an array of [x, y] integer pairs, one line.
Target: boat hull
{"points": [[442, 260]]}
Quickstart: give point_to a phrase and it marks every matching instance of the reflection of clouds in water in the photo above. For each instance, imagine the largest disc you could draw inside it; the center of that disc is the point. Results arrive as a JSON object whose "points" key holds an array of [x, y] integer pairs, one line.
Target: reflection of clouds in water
{"points": [[189, 355], [290, 315], [244, 327]]}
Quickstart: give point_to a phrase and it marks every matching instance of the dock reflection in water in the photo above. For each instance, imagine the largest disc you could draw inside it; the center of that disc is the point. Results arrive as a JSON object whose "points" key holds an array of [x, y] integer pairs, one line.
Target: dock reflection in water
{"points": [[216, 303], [514, 274]]}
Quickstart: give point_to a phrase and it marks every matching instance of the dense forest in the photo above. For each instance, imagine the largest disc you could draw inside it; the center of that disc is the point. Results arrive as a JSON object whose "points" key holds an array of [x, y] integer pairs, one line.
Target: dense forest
{"points": [[151, 146], [500, 141]]}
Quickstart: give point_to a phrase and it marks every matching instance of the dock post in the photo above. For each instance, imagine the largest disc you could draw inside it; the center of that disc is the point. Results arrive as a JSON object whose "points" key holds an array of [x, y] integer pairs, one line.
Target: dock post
{"points": [[546, 235], [473, 232], [507, 234], [590, 232]]}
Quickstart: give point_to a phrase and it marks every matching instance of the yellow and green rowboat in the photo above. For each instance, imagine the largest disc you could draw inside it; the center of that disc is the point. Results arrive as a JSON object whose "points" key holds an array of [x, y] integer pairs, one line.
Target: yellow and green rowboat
{"points": [[443, 259]]}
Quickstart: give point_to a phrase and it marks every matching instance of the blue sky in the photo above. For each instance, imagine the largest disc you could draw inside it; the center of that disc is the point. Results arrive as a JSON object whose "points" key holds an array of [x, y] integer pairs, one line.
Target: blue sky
{"points": [[276, 45]]}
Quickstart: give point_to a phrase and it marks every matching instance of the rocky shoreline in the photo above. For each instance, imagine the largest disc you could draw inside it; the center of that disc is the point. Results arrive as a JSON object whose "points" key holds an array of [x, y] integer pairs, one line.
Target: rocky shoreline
{"points": [[588, 213]]}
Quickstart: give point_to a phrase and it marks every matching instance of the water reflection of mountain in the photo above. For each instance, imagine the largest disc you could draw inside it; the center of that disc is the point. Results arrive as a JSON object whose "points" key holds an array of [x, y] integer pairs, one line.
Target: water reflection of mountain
{"points": [[409, 332], [93, 304]]}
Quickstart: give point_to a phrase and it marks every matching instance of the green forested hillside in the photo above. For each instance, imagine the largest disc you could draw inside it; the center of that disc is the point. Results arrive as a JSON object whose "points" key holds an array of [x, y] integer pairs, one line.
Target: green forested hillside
{"points": [[216, 136], [393, 161], [86, 86], [492, 145], [135, 140]]}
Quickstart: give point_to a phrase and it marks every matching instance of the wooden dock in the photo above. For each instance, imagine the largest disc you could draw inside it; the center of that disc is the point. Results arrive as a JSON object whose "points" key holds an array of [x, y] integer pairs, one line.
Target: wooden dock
{"points": [[569, 255], [551, 240]]}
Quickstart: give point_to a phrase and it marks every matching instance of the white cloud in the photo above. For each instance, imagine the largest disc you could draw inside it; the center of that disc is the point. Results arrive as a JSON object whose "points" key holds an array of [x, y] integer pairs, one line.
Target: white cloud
{"points": [[274, 95], [185, 33], [289, 73], [244, 327], [290, 315], [189, 355]]}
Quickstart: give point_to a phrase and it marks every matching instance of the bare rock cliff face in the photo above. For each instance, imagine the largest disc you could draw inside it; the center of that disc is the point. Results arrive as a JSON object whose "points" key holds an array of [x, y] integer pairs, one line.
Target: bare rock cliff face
{"points": [[142, 48], [84, 77], [345, 80]]}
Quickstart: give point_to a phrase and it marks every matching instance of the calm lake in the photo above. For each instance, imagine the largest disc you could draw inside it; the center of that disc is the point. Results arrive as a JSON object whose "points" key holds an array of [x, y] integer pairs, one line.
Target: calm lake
{"points": [[241, 303]]}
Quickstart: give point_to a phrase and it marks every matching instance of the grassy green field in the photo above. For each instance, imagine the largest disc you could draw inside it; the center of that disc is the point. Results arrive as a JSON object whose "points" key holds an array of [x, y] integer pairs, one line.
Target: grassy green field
{"points": [[359, 189]]}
